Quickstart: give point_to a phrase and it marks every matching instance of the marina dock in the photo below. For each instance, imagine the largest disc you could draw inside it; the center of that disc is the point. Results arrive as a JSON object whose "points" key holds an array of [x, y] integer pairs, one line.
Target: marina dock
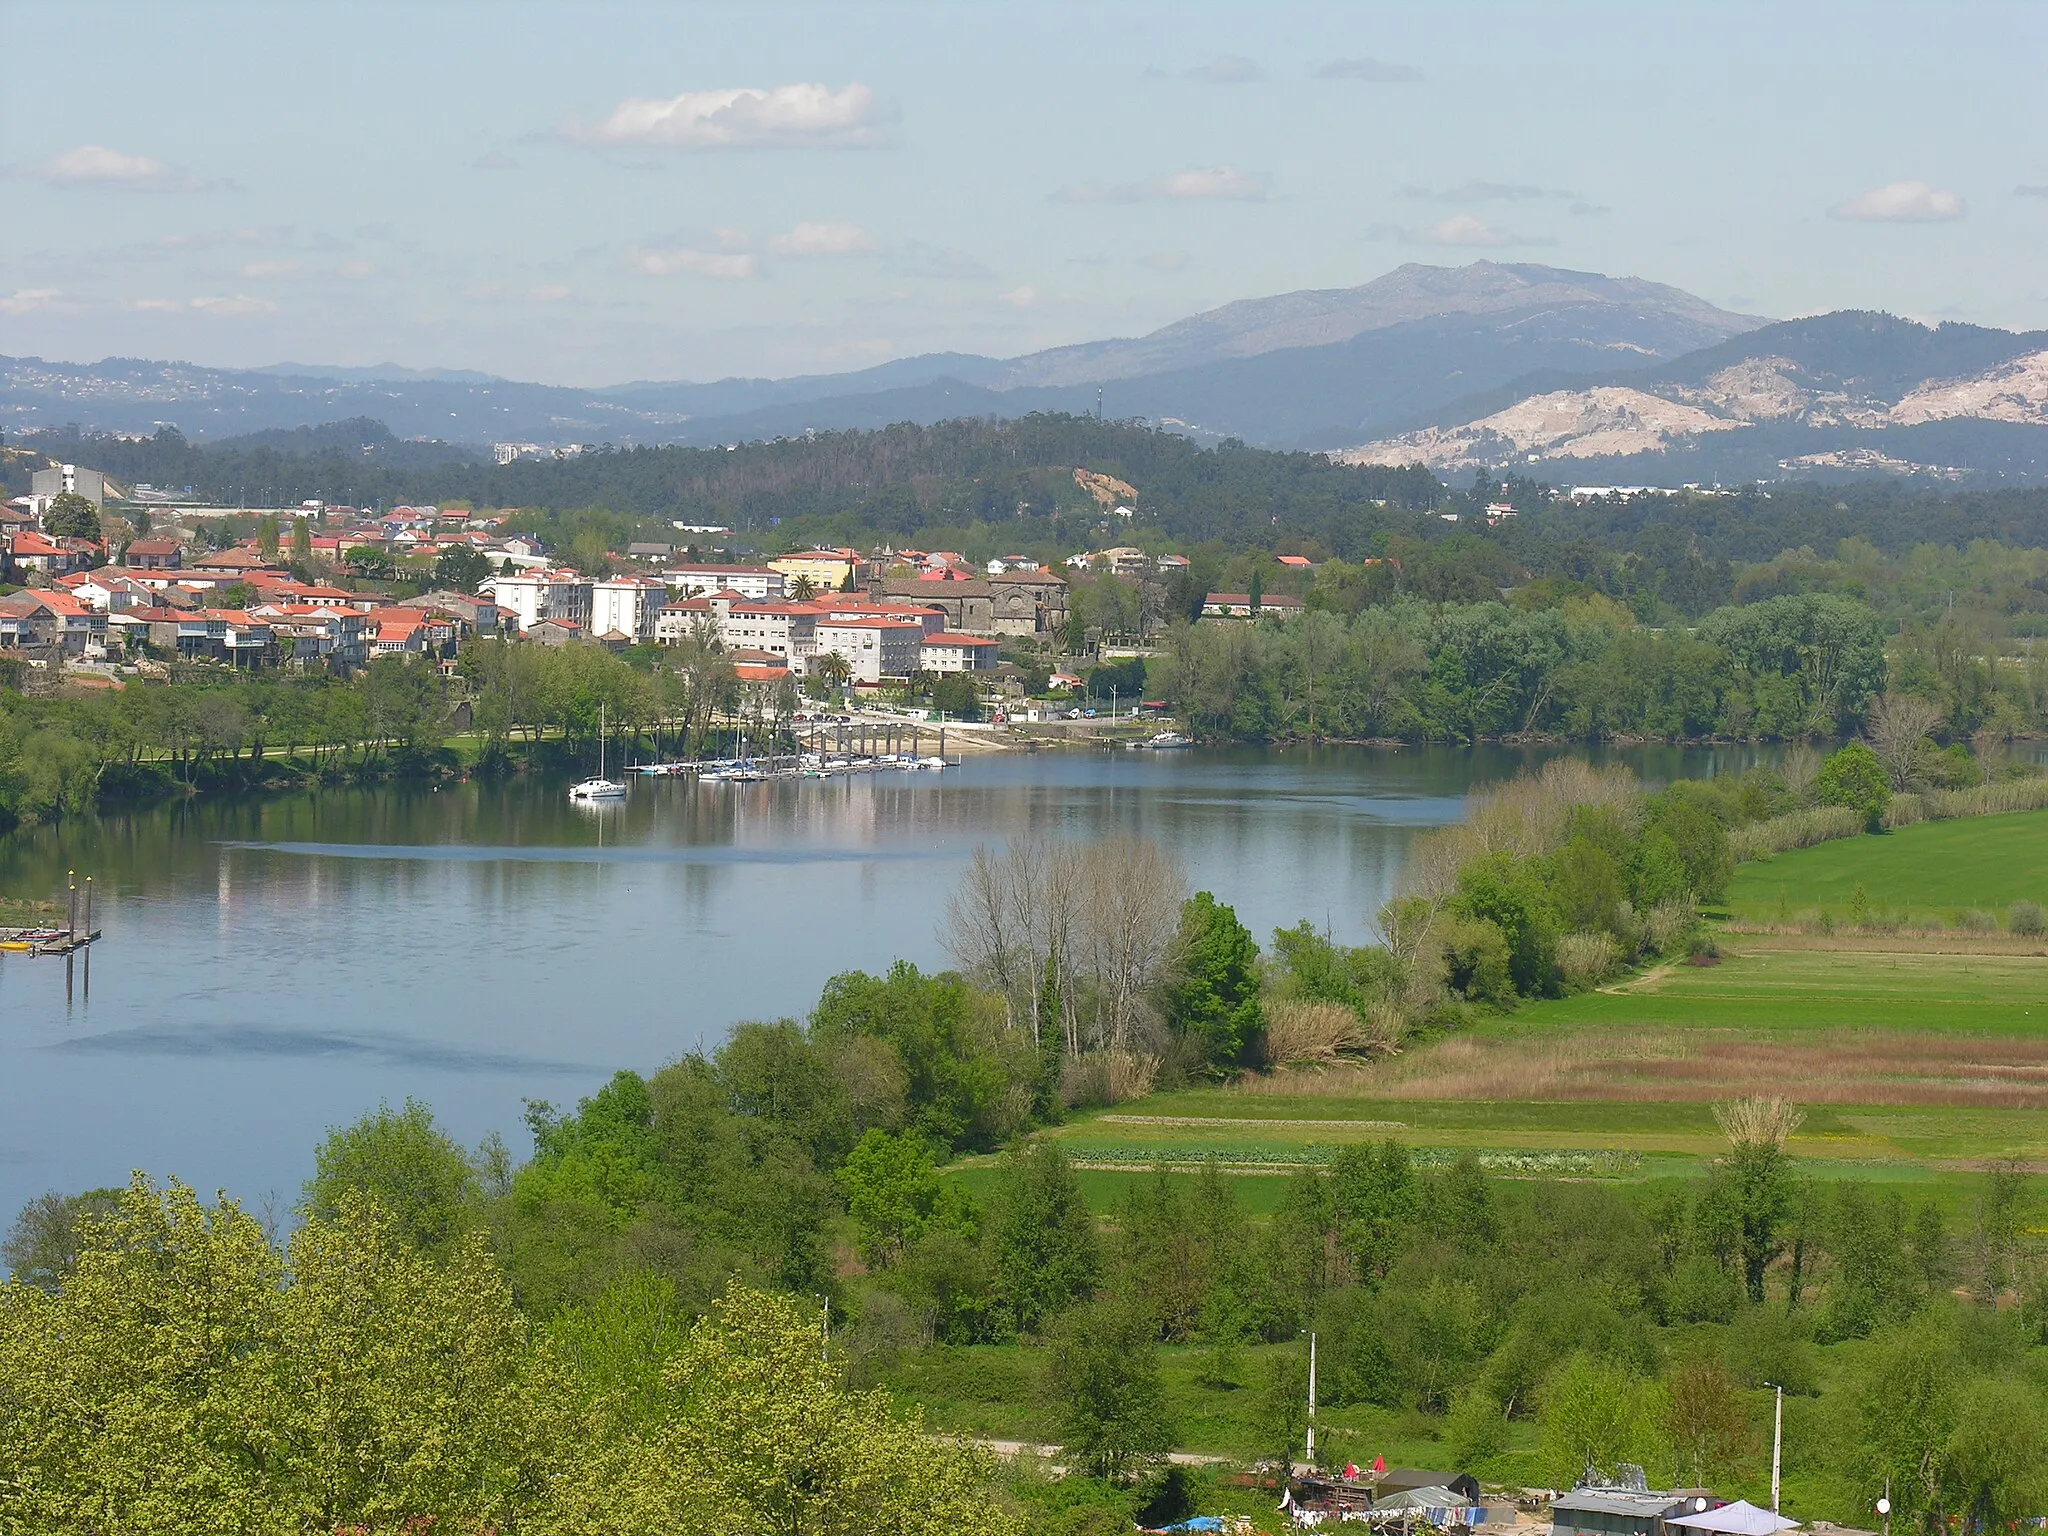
{"points": [[76, 934]]}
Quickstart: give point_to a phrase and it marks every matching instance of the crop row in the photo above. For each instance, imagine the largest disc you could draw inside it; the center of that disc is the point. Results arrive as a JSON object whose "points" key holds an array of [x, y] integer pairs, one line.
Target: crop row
{"points": [[1601, 1163]]}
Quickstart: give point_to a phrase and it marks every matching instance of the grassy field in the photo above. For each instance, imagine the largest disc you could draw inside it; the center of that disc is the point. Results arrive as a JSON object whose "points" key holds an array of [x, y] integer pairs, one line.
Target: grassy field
{"points": [[1917, 1056], [1933, 869]]}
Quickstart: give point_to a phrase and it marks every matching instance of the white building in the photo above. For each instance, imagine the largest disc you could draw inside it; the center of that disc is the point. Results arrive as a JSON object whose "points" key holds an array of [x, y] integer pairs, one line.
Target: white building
{"points": [[787, 630], [874, 648], [626, 605], [957, 653], [676, 622], [755, 581], [530, 596]]}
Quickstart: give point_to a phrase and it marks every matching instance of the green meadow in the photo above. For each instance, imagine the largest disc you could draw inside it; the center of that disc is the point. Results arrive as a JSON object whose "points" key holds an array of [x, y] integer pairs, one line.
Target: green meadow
{"points": [[1917, 1059], [1932, 869]]}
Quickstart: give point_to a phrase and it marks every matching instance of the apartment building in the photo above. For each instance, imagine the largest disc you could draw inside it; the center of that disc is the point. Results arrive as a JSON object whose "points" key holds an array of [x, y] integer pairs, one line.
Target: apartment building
{"points": [[527, 597], [626, 607], [755, 581], [874, 647]]}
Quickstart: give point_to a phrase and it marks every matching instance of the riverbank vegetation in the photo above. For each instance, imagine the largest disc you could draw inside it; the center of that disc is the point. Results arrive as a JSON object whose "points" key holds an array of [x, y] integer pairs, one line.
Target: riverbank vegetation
{"points": [[213, 730], [1526, 1170]]}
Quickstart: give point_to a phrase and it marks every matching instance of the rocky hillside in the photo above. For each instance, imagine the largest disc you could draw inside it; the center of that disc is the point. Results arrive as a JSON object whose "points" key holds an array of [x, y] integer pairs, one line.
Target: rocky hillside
{"points": [[1850, 391]]}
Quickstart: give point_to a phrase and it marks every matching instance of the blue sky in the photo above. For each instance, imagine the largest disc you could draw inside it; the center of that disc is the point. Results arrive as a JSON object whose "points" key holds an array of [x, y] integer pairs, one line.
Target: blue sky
{"points": [[595, 192]]}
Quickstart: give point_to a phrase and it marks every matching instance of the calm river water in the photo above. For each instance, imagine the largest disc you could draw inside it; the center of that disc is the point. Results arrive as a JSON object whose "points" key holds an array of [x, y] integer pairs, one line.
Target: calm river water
{"points": [[275, 967]]}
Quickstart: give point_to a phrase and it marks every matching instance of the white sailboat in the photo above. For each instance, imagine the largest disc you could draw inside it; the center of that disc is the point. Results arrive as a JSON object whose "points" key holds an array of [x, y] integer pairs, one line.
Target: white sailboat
{"points": [[599, 788]]}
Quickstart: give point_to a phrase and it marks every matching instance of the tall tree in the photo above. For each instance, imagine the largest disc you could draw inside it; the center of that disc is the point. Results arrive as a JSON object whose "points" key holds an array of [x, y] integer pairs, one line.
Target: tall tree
{"points": [[1212, 990], [1103, 1371]]}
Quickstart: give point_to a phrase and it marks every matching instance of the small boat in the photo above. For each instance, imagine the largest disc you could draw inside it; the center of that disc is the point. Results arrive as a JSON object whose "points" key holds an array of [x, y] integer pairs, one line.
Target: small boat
{"points": [[29, 940], [1167, 741], [599, 788]]}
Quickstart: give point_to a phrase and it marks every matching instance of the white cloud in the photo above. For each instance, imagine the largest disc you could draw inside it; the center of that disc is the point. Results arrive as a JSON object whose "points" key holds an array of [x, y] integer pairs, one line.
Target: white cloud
{"points": [[26, 301], [550, 293], [1901, 202], [687, 261], [159, 306], [95, 165], [356, 268], [1164, 261], [1220, 181], [1020, 298], [1370, 71], [1231, 69], [1460, 229], [1216, 183], [496, 160], [233, 304], [806, 116], [1464, 229], [261, 269], [821, 240]]}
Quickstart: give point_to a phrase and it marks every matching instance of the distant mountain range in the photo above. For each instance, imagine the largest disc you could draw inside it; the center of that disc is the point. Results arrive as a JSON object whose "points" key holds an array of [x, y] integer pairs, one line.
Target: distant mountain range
{"points": [[1564, 374], [1311, 369], [1844, 393]]}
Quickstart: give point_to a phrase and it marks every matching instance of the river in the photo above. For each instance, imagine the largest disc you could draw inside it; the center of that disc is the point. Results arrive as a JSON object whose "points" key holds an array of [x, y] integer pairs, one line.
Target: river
{"points": [[274, 967]]}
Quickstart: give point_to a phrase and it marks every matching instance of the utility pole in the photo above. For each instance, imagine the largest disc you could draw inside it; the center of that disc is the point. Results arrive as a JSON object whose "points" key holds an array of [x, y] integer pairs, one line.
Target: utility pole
{"points": [[1311, 1401], [1777, 1446]]}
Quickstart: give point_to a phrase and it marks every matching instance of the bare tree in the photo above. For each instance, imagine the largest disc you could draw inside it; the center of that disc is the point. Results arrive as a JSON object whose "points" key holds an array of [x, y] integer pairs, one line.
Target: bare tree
{"points": [[1133, 895], [1011, 924], [983, 931], [1799, 767], [1897, 728]]}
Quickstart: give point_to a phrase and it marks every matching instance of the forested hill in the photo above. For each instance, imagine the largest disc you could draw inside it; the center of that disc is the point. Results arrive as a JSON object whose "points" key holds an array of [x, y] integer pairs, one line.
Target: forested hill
{"points": [[1013, 481], [894, 482]]}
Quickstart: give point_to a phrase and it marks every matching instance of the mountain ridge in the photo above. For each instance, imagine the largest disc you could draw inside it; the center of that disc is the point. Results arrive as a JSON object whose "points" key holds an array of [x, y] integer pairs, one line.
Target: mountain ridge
{"points": [[1204, 370]]}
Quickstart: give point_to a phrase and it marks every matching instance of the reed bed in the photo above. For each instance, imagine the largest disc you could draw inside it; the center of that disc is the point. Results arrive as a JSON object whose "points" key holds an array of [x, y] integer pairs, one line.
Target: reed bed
{"points": [[1836, 1066]]}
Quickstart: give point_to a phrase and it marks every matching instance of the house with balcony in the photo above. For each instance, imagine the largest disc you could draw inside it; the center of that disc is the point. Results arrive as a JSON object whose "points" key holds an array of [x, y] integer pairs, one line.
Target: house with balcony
{"points": [[52, 620], [958, 653]]}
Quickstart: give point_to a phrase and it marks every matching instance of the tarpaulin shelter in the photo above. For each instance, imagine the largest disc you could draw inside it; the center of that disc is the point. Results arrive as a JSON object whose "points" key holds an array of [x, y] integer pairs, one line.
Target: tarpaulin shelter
{"points": [[1741, 1518]]}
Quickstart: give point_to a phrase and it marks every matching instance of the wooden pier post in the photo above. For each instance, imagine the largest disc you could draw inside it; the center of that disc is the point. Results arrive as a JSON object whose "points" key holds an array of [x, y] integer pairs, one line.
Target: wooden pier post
{"points": [[88, 909], [71, 907]]}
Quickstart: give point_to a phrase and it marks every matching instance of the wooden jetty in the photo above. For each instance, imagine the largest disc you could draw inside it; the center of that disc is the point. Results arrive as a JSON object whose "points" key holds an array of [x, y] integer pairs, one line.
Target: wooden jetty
{"points": [[76, 934]]}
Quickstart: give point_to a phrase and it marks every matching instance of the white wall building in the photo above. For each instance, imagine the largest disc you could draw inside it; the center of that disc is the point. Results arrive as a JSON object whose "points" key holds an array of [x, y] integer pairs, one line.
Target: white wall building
{"points": [[676, 622], [530, 596], [787, 630], [957, 653], [874, 648], [755, 581], [626, 605]]}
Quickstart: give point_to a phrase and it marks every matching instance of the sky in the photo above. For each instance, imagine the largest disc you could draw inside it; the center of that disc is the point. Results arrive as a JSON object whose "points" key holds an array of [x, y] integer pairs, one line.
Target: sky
{"points": [[595, 192]]}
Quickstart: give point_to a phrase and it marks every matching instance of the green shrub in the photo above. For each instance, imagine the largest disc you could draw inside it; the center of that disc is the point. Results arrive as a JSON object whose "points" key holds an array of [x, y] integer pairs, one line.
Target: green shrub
{"points": [[1854, 779], [2027, 919]]}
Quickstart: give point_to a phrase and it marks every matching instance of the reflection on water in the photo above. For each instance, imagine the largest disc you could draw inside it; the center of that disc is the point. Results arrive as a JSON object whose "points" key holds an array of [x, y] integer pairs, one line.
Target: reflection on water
{"points": [[274, 967]]}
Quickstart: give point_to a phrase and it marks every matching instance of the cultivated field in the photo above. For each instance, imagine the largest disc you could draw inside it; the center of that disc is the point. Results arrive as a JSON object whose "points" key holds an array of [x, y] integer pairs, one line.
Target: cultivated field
{"points": [[1918, 1055]]}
